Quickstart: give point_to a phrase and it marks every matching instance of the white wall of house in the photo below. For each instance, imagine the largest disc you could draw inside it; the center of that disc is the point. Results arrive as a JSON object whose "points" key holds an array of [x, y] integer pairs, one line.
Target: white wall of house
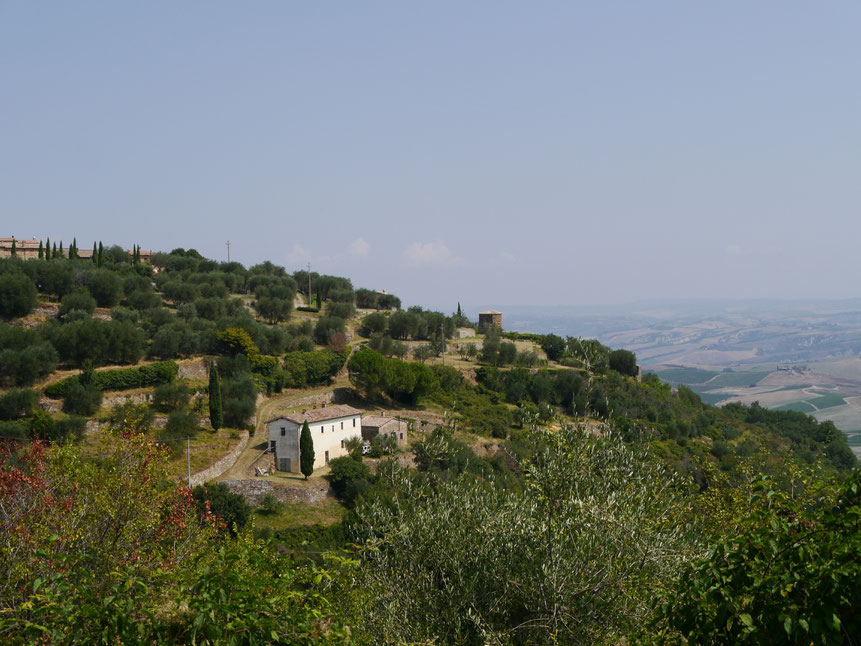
{"points": [[328, 436]]}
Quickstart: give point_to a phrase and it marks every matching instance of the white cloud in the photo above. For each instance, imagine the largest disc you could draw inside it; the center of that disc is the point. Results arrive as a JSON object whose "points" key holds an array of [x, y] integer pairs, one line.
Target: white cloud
{"points": [[733, 250], [360, 248], [298, 255], [429, 254]]}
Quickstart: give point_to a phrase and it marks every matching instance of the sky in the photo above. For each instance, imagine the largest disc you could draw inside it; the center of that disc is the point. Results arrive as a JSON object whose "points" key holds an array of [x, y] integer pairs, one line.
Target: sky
{"points": [[487, 153]]}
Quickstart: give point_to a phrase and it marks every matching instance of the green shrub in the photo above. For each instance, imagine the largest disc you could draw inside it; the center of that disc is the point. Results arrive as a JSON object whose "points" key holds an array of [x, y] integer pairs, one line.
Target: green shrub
{"points": [[17, 295], [180, 425], [152, 374], [77, 300], [82, 400], [340, 310], [349, 478], [170, 397], [305, 369], [326, 327], [271, 505], [17, 403], [229, 507]]}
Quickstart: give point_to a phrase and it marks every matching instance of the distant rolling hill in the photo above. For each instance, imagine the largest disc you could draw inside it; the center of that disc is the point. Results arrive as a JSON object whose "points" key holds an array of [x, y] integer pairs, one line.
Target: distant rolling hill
{"points": [[791, 355]]}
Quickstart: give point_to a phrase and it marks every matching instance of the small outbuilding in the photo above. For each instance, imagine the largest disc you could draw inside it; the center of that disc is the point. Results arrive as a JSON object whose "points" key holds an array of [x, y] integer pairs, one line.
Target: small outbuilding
{"points": [[488, 319], [373, 425]]}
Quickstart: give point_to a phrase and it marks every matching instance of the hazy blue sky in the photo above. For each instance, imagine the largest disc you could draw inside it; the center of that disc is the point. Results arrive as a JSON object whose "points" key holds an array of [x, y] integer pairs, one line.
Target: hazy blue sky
{"points": [[486, 152]]}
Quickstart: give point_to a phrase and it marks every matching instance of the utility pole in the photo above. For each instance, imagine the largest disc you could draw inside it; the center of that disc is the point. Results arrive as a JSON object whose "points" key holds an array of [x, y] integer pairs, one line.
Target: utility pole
{"points": [[442, 338], [188, 453], [228, 251]]}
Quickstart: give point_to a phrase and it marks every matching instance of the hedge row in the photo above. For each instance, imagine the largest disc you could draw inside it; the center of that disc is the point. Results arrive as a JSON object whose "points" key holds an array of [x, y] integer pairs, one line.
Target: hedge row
{"points": [[162, 372]]}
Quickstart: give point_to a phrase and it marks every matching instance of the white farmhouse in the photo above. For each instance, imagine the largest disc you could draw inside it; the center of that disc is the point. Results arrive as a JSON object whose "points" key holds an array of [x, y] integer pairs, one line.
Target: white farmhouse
{"points": [[330, 426]]}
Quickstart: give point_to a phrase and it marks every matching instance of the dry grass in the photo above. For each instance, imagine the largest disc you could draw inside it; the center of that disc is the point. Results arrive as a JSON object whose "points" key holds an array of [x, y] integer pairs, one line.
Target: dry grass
{"points": [[297, 515]]}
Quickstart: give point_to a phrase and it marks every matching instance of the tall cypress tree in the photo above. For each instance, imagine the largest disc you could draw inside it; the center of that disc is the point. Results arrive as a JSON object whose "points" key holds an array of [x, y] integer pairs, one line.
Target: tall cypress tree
{"points": [[306, 451], [61, 249], [54, 252], [101, 259], [73, 249], [216, 414], [41, 251], [95, 256], [48, 249], [14, 248]]}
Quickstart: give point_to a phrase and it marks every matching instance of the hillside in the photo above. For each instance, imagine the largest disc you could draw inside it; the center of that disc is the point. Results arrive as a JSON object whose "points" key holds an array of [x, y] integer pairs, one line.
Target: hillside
{"points": [[110, 368]]}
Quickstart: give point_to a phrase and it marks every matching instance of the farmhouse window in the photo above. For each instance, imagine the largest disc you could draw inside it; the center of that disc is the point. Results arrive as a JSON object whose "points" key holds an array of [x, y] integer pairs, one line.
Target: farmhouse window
{"points": [[283, 431], [354, 422], [342, 426]]}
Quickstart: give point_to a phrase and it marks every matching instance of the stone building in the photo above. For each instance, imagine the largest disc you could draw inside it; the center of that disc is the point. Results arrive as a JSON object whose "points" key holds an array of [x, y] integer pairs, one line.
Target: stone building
{"points": [[488, 319], [29, 249], [24, 249], [374, 425], [330, 427]]}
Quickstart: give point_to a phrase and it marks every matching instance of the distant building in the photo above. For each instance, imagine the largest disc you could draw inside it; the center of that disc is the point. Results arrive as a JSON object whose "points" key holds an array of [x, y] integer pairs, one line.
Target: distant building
{"points": [[24, 249], [374, 425], [330, 427], [488, 319], [29, 249]]}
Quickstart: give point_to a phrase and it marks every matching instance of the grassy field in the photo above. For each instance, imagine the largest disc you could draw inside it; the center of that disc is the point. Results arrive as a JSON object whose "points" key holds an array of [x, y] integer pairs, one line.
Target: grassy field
{"points": [[827, 401], [801, 406], [736, 379], [685, 376], [326, 513]]}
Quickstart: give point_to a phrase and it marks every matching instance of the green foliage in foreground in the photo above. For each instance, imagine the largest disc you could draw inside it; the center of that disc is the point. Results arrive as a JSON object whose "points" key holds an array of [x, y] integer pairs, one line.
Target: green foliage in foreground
{"points": [[793, 577], [87, 558], [162, 372], [578, 555]]}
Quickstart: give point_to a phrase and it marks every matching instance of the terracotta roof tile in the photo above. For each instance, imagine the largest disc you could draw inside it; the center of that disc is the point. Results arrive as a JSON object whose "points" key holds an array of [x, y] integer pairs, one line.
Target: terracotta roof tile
{"points": [[319, 414]]}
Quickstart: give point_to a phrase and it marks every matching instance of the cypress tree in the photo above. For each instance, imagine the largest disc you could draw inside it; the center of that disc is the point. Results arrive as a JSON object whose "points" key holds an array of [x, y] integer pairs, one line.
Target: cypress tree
{"points": [[48, 249], [73, 250], [216, 414], [101, 255], [459, 313], [94, 256], [41, 251], [54, 252], [14, 248], [306, 451]]}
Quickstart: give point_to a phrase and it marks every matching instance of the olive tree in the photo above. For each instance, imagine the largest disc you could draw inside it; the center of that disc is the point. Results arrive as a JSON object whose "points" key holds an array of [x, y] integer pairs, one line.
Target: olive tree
{"points": [[573, 557]]}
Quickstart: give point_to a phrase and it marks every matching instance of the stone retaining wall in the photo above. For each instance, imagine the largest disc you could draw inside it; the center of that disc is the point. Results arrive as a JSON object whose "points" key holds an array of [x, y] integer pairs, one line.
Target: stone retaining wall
{"points": [[314, 492], [222, 465]]}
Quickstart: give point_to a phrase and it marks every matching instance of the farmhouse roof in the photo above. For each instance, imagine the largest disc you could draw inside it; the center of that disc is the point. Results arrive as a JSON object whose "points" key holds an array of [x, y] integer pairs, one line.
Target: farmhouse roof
{"points": [[377, 421], [319, 414], [490, 312]]}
